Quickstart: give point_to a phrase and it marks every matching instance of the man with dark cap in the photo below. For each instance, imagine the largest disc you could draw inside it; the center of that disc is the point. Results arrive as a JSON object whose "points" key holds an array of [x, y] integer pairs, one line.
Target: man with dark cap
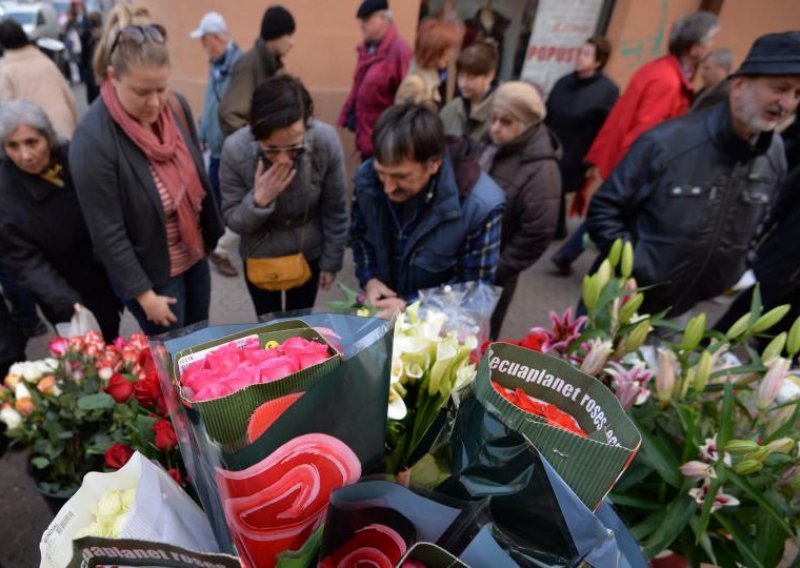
{"points": [[255, 66], [383, 60], [692, 192]]}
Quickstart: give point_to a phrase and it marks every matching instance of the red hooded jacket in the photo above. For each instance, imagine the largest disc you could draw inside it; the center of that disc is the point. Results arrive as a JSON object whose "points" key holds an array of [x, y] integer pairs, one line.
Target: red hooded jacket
{"points": [[658, 91], [377, 76]]}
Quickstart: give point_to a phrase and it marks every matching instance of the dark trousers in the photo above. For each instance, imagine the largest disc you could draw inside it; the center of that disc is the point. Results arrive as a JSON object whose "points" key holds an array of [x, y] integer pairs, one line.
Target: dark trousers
{"points": [[573, 248], [509, 287], [12, 342], [300, 298], [192, 289], [213, 178], [23, 306]]}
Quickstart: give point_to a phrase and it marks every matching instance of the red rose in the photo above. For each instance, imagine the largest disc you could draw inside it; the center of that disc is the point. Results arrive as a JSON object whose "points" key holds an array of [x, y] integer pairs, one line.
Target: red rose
{"points": [[119, 388], [175, 474], [534, 341], [146, 362], [165, 435], [117, 455], [148, 393]]}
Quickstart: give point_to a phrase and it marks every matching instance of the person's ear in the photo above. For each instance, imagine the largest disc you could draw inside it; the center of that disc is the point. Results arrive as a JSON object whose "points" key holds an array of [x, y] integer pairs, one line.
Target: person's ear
{"points": [[111, 74], [434, 166]]}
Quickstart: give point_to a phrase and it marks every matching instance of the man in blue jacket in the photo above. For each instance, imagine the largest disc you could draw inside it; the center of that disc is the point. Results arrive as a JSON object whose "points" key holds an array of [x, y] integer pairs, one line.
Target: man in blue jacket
{"points": [[423, 212], [222, 53]]}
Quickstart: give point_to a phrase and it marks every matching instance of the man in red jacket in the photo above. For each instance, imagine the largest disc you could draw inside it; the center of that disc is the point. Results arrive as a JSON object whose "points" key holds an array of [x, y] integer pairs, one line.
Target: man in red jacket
{"points": [[658, 91], [383, 60]]}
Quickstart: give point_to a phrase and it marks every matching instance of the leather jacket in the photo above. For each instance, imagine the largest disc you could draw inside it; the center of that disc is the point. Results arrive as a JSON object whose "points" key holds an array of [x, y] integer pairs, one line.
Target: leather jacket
{"points": [[691, 195]]}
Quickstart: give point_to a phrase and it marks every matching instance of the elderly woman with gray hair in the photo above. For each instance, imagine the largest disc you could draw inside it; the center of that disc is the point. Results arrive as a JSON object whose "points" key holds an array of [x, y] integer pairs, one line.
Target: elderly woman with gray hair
{"points": [[44, 243], [521, 154]]}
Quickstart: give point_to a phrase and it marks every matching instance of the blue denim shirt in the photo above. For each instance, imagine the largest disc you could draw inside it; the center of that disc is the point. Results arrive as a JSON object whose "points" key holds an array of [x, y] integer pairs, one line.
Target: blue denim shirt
{"points": [[218, 81]]}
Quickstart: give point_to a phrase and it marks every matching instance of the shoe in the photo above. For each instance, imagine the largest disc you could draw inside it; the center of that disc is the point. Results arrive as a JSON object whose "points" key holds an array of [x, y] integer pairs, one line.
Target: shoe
{"points": [[223, 264], [563, 266]]}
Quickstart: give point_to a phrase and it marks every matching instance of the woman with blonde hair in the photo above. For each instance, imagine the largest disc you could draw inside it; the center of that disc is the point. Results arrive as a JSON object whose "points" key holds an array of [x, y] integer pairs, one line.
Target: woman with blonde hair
{"points": [[437, 45], [144, 192]]}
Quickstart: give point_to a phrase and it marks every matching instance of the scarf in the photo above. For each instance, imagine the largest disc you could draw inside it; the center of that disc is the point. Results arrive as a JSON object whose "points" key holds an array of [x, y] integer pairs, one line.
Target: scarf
{"points": [[170, 159]]}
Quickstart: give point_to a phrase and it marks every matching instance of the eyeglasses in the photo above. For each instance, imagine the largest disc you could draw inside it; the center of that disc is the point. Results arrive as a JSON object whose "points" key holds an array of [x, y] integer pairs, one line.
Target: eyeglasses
{"points": [[138, 35], [294, 152]]}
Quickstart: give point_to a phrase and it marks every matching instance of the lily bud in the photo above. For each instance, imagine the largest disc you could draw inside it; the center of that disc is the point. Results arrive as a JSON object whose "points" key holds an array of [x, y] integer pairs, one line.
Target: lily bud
{"points": [[603, 274], [739, 327], [772, 381], [703, 372], [781, 446], [793, 341], [595, 360], [758, 455], [638, 335], [774, 348], [591, 291], [741, 446], [778, 418], [665, 375], [770, 318], [747, 466], [626, 268], [697, 470], [694, 332], [615, 252], [630, 307]]}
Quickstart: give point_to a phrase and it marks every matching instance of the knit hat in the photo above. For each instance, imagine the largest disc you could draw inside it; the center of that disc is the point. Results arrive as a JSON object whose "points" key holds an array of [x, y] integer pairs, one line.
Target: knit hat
{"points": [[369, 7], [521, 100], [277, 22], [773, 54]]}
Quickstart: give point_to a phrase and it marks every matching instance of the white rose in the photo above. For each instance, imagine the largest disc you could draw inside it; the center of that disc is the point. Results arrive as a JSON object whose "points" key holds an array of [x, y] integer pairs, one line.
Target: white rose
{"points": [[21, 391], [11, 418], [30, 372]]}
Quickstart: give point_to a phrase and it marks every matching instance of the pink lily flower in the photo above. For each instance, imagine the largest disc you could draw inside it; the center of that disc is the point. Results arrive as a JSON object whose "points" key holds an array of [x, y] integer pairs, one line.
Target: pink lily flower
{"points": [[771, 383], [630, 385], [721, 499], [710, 452], [698, 470], [565, 331]]}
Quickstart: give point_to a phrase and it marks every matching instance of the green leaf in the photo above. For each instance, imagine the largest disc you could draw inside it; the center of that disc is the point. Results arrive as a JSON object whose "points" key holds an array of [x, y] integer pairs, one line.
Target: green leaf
{"points": [[647, 527], [98, 401], [705, 542], [757, 496], [304, 557], [769, 541], [673, 523], [726, 419], [688, 417], [635, 502], [40, 462], [742, 540], [655, 452]]}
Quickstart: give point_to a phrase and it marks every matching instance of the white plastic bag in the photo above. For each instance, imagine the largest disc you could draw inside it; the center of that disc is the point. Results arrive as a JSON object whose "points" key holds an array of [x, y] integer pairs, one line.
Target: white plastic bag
{"points": [[81, 323], [162, 512]]}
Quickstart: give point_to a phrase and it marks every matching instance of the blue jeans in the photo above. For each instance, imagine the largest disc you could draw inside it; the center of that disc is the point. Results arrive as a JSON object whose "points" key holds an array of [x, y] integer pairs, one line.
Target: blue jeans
{"points": [[213, 177], [573, 248], [23, 306], [192, 289]]}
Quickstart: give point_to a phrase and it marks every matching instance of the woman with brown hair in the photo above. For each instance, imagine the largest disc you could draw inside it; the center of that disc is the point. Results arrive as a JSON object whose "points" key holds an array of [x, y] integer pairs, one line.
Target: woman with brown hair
{"points": [[140, 179], [436, 47]]}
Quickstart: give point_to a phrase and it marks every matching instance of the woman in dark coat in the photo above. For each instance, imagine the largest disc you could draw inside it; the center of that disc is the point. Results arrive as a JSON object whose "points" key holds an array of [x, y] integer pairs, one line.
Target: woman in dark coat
{"points": [[141, 181], [521, 155], [44, 242]]}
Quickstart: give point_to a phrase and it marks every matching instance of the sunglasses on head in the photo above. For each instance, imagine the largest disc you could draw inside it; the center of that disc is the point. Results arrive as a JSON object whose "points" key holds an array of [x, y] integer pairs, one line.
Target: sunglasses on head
{"points": [[138, 35]]}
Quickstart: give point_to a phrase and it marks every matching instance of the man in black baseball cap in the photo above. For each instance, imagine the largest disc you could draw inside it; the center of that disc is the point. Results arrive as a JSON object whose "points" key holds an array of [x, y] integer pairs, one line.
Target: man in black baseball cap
{"points": [[692, 192], [276, 39]]}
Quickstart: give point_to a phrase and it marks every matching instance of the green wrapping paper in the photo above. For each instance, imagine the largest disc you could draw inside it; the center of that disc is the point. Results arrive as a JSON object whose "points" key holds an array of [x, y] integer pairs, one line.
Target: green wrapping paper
{"points": [[226, 418], [590, 466]]}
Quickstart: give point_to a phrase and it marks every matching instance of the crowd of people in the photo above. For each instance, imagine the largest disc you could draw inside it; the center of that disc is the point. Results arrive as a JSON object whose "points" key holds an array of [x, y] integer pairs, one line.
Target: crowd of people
{"points": [[462, 179]]}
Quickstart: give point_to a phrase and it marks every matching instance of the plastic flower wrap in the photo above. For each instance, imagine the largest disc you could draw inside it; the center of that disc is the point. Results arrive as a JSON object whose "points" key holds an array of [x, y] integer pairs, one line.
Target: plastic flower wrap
{"points": [[428, 365]]}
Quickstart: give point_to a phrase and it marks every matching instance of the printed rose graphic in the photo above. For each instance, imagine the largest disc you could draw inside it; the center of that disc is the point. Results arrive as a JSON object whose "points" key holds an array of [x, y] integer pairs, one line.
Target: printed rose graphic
{"points": [[374, 546], [277, 503]]}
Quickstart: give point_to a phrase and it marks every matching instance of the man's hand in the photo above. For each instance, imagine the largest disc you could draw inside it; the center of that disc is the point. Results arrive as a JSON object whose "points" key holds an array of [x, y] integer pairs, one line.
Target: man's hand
{"points": [[269, 184], [156, 308], [377, 291], [389, 307], [326, 280]]}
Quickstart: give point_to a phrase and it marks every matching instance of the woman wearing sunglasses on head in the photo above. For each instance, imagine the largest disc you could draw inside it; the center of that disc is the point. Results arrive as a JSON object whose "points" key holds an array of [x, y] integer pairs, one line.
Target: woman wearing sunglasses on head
{"points": [[284, 191], [140, 179]]}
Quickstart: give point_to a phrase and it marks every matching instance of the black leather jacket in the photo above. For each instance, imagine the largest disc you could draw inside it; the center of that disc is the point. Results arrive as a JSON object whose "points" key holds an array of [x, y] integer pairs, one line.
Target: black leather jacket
{"points": [[691, 194]]}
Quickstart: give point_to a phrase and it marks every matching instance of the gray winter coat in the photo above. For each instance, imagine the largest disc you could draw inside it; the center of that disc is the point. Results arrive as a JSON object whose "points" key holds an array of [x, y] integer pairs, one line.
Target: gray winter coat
{"points": [[277, 229]]}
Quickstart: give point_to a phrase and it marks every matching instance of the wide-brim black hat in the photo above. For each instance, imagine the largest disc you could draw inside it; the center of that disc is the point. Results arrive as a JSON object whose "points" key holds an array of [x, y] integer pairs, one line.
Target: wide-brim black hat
{"points": [[773, 54]]}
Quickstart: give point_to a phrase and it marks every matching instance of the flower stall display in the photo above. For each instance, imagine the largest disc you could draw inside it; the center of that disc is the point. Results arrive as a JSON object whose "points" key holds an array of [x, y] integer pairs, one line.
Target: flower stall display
{"points": [[275, 418], [86, 408], [718, 477]]}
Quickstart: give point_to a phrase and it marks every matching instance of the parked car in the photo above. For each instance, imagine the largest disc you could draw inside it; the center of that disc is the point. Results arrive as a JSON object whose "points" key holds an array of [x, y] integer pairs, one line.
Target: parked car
{"points": [[38, 19]]}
